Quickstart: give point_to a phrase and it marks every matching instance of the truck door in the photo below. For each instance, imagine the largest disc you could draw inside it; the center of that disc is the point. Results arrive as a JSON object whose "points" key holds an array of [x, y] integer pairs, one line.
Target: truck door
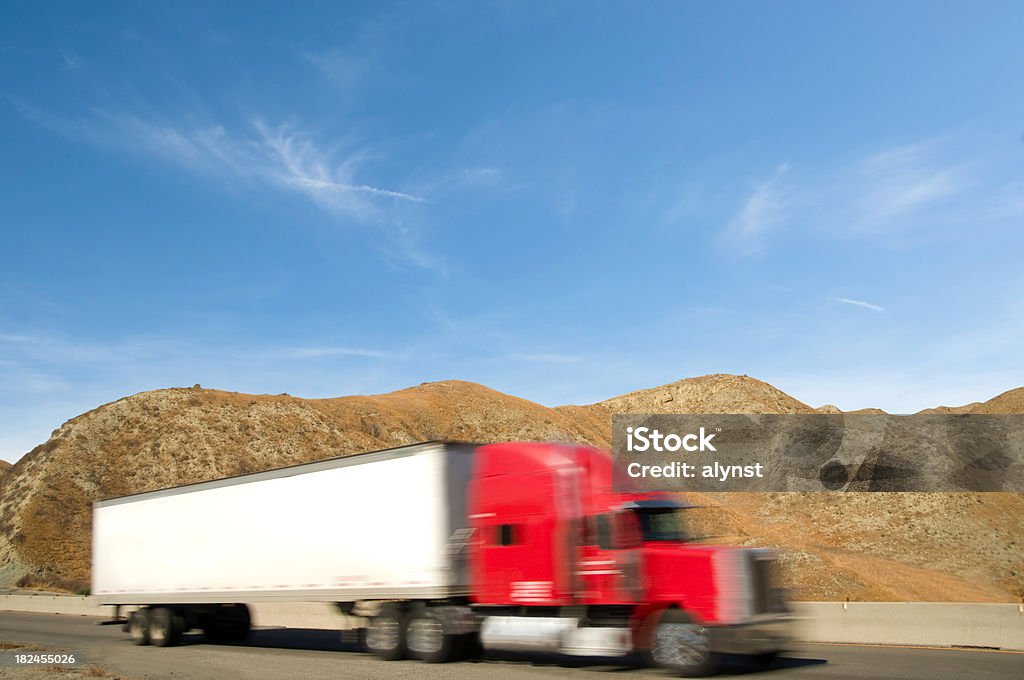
{"points": [[518, 554], [609, 565]]}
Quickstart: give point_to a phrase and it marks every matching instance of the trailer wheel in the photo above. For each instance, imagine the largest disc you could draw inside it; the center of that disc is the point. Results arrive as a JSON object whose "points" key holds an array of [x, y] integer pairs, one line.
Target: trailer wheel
{"points": [[426, 637], [138, 626], [385, 636], [165, 627], [682, 645]]}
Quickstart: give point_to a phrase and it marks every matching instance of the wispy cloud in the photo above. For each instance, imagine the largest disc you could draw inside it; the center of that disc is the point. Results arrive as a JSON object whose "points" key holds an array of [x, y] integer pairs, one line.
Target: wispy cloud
{"points": [[861, 303], [547, 358], [359, 60], [297, 163], [403, 245], [465, 178], [901, 181], [325, 352], [341, 67], [326, 185], [71, 61], [281, 156], [11, 337], [479, 175], [55, 350], [898, 195], [765, 208]]}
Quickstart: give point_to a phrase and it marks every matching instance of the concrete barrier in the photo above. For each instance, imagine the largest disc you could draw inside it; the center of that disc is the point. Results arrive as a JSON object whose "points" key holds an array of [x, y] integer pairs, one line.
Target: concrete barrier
{"points": [[300, 615], [53, 604], [913, 623], [902, 623]]}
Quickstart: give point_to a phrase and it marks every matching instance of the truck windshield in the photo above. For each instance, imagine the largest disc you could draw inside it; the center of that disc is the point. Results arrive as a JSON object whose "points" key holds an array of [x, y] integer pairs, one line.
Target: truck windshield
{"points": [[661, 524]]}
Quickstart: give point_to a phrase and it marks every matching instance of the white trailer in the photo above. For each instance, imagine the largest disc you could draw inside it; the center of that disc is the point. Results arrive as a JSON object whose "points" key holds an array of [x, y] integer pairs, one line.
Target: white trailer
{"points": [[339, 530]]}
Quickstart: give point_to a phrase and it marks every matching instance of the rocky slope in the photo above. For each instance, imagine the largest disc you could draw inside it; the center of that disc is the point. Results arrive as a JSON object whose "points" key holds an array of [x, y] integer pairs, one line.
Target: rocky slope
{"points": [[864, 546]]}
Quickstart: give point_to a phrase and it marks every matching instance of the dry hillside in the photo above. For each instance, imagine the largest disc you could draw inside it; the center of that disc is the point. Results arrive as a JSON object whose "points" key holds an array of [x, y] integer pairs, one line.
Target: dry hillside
{"points": [[1011, 401], [865, 546]]}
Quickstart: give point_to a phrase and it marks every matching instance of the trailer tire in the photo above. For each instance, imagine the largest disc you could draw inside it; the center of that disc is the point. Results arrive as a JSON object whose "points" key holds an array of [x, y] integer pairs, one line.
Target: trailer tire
{"points": [[682, 645], [426, 638], [385, 636], [165, 627], [138, 626]]}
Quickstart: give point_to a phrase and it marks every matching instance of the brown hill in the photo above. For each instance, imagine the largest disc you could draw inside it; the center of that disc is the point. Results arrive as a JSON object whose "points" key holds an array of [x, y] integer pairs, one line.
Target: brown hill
{"points": [[968, 408], [1011, 401], [835, 410], [865, 546], [177, 436], [718, 393]]}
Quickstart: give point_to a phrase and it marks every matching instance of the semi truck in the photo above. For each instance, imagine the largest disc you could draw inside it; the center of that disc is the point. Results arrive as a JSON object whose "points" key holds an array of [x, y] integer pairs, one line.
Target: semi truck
{"points": [[438, 550]]}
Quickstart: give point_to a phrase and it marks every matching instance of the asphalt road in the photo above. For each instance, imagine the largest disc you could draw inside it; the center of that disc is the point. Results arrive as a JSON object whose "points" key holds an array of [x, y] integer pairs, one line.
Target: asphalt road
{"points": [[314, 654]]}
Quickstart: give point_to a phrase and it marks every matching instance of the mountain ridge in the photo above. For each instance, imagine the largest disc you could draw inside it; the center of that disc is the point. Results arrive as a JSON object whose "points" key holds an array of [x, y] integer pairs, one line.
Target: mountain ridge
{"points": [[832, 545]]}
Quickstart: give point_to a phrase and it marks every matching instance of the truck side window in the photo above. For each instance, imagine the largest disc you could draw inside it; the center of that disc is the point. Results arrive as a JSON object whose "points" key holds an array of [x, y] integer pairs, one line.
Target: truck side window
{"points": [[506, 534], [605, 539]]}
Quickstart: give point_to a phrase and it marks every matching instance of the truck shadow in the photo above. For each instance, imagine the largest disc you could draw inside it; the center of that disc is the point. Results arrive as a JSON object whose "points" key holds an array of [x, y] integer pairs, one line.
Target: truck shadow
{"points": [[731, 665], [315, 639], [333, 641]]}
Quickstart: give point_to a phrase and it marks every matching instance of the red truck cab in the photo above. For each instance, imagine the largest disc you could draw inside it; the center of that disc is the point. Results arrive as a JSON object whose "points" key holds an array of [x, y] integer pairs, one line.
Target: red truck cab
{"points": [[556, 537]]}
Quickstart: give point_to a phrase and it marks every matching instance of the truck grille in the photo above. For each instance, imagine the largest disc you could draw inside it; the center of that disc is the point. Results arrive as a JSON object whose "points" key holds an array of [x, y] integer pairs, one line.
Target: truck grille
{"points": [[745, 582]]}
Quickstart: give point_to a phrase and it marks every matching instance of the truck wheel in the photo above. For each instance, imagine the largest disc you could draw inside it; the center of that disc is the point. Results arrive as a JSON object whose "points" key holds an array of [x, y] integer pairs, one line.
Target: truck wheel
{"points": [[138, 626], [426, 638], [165, 627], [385, 636], [683, 646]]}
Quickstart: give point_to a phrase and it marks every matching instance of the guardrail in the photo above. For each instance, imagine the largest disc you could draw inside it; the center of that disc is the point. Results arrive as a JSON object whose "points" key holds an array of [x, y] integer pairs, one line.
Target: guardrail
{"points": [[933, 624]]}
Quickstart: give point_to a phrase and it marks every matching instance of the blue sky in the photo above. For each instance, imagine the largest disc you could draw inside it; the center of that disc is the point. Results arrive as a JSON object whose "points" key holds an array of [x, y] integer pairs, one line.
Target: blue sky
{"points": [[564, 201]]}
